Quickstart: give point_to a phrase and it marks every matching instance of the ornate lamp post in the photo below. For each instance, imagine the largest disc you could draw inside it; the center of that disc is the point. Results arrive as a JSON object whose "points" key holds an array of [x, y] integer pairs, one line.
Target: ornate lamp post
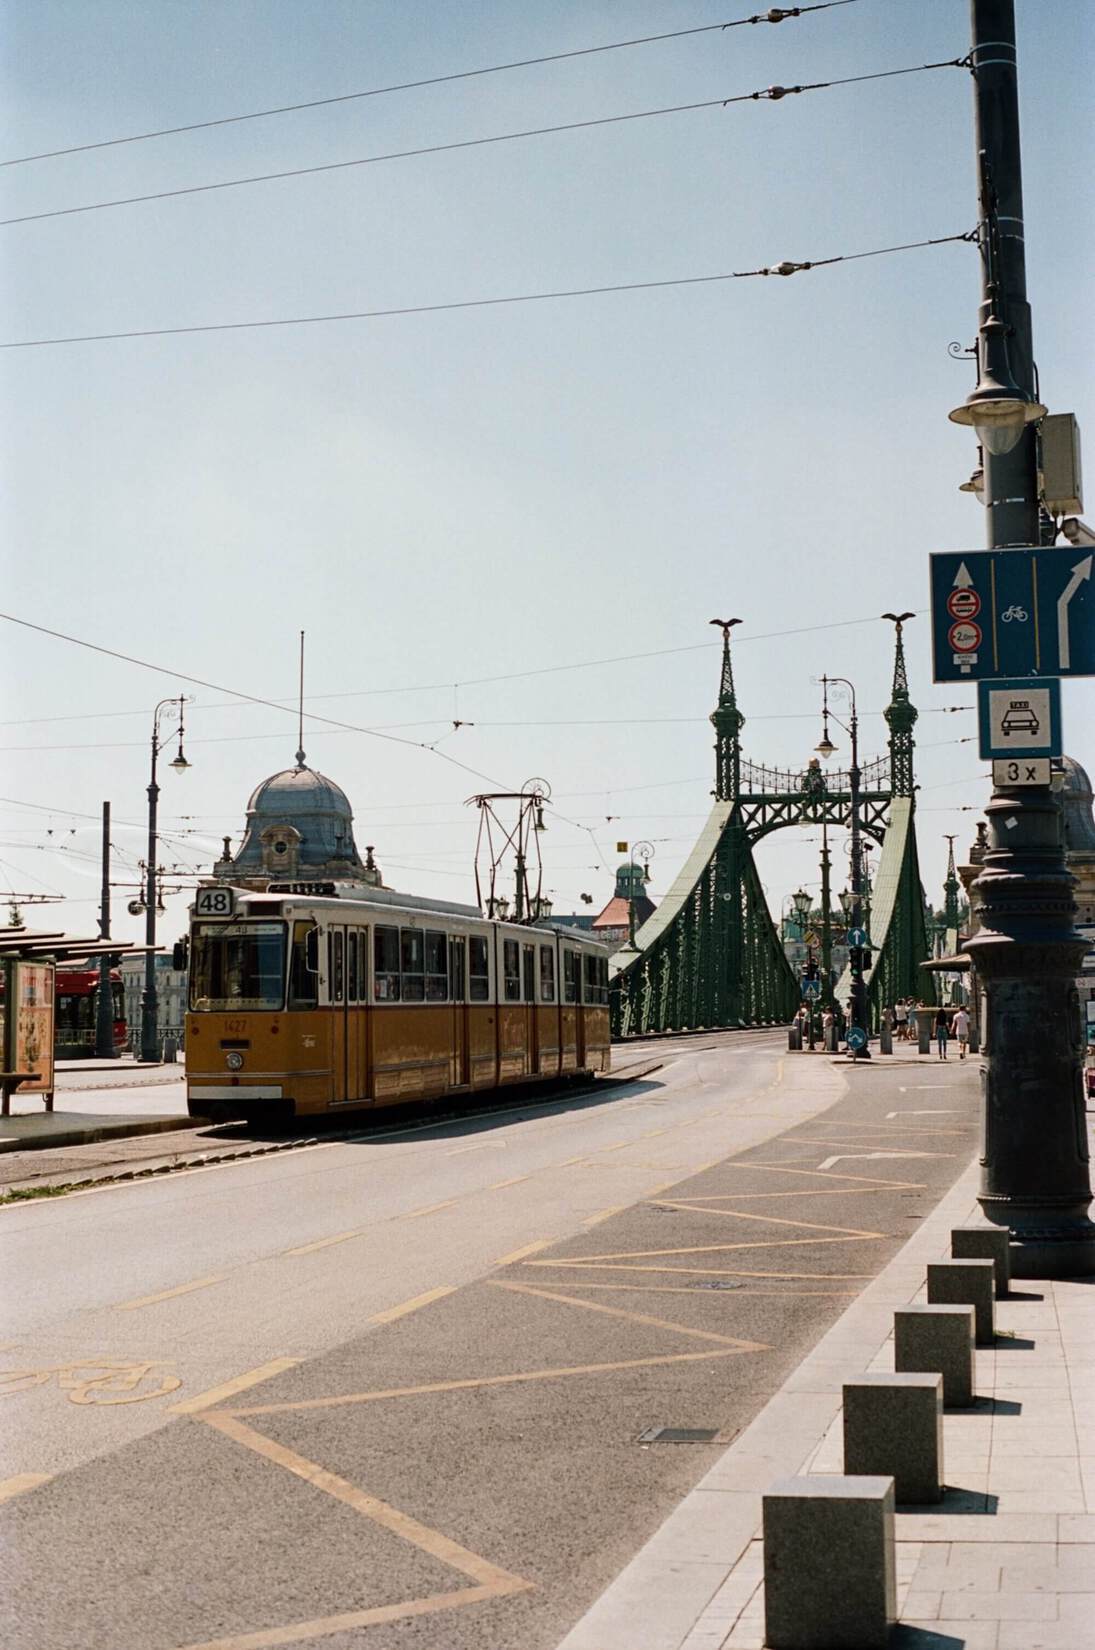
{"points": [[826, 748], [150, 1040], [645, 851]]}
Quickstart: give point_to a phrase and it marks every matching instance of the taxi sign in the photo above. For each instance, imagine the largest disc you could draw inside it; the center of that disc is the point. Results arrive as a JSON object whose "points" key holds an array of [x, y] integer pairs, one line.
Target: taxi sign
{"points": [[1019, 718]]}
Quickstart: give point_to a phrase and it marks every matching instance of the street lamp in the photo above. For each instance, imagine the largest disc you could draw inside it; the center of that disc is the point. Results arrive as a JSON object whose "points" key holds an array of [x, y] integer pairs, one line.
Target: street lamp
{"points": [[996, 408], [646, 851], [855, 953], [150, 1039]]}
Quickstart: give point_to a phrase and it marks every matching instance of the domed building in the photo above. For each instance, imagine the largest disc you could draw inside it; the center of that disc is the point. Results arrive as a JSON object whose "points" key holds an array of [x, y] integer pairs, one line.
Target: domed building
{"points": [[300, 828], [1078, 822], [613, 923]]}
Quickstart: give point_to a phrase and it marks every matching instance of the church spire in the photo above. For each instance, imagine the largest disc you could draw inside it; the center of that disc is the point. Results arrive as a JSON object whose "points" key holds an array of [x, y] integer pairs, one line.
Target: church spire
{"points": [[727, 721], [950, 890], [901, 715]]}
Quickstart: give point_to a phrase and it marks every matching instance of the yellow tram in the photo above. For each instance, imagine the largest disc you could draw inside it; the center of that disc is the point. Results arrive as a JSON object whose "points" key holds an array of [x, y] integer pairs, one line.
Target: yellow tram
{"points": [[303, 1000]]}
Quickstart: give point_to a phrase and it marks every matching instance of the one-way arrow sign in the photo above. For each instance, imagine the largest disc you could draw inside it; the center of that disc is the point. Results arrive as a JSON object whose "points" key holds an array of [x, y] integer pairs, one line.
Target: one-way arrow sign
{"points": [[1012, 613]]}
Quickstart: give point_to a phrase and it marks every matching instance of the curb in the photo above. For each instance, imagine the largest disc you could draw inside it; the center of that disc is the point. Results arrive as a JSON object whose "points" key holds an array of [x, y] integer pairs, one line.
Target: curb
{"points": [[96, 1132]]}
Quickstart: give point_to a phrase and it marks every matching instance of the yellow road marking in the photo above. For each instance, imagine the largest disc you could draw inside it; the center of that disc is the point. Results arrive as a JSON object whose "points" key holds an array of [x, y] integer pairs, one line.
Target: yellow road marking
{"points": [[767, 1220], [522, 1376], [652, 1134], [595, 1220], [228, 1389], [690, 1289], [430, 1209], [815, 1140], [516, 1181], [618, 1147], [401, 1311], [325, 1243], [482, 1146], [529, 1249], [11, 1487], [703, 1271], [569, 1162], [664, 1187], [701, 1167], [798, 1191], [633, 1317], [169, 1294]]}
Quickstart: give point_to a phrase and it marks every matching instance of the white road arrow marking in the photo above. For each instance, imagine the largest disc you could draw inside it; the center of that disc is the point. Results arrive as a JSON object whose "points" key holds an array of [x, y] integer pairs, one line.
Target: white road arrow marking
{"points": [[846, 1157], [962, 580], [1080, 572], [936, 1111]]}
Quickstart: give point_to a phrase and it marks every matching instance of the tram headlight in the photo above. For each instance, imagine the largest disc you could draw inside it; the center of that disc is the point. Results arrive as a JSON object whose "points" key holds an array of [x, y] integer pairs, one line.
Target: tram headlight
{"points": [[234, 1061]]}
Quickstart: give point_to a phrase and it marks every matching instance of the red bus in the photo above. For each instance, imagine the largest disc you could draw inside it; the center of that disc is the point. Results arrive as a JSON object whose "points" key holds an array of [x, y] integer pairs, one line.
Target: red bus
{"points": [[77, 1007]]}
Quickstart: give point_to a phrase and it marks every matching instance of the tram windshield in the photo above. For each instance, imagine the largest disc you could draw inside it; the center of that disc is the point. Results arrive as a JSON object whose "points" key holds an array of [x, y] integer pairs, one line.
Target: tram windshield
{"points": [[237, 966]]}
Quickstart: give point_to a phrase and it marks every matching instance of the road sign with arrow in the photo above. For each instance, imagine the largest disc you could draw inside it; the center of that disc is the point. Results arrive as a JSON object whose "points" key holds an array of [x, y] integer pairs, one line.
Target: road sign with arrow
{"points": [[1012, 613]]}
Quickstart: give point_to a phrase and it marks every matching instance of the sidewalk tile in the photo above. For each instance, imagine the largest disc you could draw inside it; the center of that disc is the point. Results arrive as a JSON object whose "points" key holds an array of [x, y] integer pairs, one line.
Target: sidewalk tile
{"points": [[1076, 1527], [1049, 1635], [975, 1606], [949, 1635]]}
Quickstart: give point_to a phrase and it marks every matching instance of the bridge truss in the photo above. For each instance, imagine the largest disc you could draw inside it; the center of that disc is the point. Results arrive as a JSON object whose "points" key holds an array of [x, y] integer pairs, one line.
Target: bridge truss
{"points": [[711, 954]]}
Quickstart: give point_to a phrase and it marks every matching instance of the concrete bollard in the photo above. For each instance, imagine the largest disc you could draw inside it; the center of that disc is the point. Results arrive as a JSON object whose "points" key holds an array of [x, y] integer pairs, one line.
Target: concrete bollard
{"points": [[830, 1039], [794, 1037], [966, 1283], [937, 1340], [985, 1243], [894, 1424], [923, 1034], [885, 1037], [829, 1566], [170, 1049]]}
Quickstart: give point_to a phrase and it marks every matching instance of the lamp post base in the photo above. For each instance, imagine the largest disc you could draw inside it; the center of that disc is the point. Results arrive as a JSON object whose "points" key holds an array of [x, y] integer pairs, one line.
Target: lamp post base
{"points": [[1042, 1245]]}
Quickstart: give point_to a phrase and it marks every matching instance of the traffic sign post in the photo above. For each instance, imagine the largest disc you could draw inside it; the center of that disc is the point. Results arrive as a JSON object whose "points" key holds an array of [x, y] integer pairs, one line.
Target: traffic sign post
{"points": [[1019, 718], [858, 939], [1025, 612]]}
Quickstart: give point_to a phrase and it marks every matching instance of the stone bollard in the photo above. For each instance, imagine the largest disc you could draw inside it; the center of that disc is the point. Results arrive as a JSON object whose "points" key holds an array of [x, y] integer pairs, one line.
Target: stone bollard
{"points": [[894, 1424], [885, 1037], [830, 1039], [170, 1049], [923, 1034], [966, 1283], [829, 1567], [794, 1037], [985, 1243], [937, 1340]]}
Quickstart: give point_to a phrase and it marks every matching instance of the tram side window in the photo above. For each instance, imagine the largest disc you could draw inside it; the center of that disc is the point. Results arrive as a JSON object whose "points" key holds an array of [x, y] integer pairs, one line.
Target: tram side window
{"points": [[386, 965], [437, 967], [478, 969], [511, 970], [570, 976], [547, 974], [336, 973], [351, 965], [411, 965], [596, 979], [302, 979]]}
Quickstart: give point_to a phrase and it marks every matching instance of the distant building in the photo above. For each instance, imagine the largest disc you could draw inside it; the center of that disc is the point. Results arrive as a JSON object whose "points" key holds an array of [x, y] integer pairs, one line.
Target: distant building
{"points": [[170, 998], [612, 925], [300, 828]]}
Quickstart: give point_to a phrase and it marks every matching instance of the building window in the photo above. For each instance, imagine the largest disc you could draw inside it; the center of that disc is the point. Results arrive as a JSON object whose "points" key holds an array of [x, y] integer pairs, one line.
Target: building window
{"points": [[570, 976], [437, 967], [547, 974], [411, 965], [511, 970]]}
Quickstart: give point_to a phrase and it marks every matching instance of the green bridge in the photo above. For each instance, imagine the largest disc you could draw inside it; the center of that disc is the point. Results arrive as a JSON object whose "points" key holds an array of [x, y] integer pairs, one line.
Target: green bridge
{"points": [[711, 954]]}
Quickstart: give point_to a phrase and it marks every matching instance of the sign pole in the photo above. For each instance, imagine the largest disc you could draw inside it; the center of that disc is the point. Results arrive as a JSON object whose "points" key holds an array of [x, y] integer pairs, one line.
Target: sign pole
{"points": [[1035, 1178]]}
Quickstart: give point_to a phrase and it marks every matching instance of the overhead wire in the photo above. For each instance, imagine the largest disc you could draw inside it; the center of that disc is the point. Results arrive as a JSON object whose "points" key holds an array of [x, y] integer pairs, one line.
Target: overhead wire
{"points": [[786, 268], [775, 14], [771, 94]]}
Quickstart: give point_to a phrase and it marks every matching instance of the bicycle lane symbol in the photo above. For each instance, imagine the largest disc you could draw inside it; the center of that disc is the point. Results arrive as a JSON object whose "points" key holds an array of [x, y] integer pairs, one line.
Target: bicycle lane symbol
{"points": [[1016, 612], [96, 1381]]}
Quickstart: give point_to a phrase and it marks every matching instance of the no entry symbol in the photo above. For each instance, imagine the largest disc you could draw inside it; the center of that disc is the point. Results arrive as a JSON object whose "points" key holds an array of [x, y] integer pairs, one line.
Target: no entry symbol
{"points": [[963, 604]]}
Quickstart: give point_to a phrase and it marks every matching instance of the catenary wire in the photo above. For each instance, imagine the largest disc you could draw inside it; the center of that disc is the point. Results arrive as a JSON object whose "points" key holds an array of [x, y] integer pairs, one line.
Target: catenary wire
{"points": [[481, 303], [776, 14], [772, 94]]}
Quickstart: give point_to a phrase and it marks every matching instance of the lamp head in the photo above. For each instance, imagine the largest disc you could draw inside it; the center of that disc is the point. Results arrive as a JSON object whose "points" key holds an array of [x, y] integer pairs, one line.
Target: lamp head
{"points": [[825, 746], [996, 408]]}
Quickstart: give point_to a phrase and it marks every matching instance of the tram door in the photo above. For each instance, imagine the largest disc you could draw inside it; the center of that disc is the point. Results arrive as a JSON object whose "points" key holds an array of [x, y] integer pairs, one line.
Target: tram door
{"points": [[345, 984], [458, 1065], [532, 1033], [356, 954]]}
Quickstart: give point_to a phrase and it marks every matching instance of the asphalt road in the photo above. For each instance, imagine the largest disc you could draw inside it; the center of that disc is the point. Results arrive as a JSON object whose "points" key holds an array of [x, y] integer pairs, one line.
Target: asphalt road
{"points": [[395, 1391]]}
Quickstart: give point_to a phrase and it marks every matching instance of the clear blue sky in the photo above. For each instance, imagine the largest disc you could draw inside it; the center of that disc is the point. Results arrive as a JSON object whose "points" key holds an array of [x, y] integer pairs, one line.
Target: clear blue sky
{"points": [[441, 498]]}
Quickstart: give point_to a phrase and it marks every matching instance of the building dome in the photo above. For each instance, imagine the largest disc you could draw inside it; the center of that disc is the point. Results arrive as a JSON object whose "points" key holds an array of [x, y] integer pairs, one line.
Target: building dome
{"points": [[299, 826], [1077, 803]]}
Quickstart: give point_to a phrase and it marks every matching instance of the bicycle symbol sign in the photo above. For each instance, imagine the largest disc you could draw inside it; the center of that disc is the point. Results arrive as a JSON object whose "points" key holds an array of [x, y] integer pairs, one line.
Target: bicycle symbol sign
{"points": [[1015, 611], [95, 1380]]}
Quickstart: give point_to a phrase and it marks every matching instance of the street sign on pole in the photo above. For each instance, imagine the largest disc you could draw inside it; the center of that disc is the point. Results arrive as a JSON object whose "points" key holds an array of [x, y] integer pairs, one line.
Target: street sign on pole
{"points": [[1013, 773], [811, 989], [856, 1038], [1025, 612], [857, 939], [1019, 718]]}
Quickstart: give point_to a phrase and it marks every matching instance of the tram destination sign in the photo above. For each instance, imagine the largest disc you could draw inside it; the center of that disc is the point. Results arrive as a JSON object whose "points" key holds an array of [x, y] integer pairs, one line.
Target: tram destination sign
{"points": [[1012, 613]]}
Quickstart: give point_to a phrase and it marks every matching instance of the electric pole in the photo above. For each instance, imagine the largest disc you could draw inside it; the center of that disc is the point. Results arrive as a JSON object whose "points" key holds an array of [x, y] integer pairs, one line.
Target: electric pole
{"points": [[1035, 1178], [104, 1000]]}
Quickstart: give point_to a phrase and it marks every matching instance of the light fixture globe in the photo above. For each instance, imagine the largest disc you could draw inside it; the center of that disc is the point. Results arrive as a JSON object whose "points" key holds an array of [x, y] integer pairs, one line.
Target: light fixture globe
{"points": [[180, 764], [825, 746], [801, 902], [997, 408]]}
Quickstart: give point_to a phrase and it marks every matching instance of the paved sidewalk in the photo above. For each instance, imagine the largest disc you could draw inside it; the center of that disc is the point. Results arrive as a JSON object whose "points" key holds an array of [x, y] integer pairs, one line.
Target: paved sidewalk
{"points": [[1008, 1560]]}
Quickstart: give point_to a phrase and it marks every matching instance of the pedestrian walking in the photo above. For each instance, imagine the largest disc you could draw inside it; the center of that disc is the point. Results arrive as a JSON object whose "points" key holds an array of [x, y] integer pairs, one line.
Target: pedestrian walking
{"points": [[962, 1032], [941, 1033]]}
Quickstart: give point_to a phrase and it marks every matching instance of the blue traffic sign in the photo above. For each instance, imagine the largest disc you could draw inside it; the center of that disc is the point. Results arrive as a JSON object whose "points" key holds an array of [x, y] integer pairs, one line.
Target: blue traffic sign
{"points": [[811, 989], [858, 939], [856, 1038], [1019, 717], [1007, 613]]}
